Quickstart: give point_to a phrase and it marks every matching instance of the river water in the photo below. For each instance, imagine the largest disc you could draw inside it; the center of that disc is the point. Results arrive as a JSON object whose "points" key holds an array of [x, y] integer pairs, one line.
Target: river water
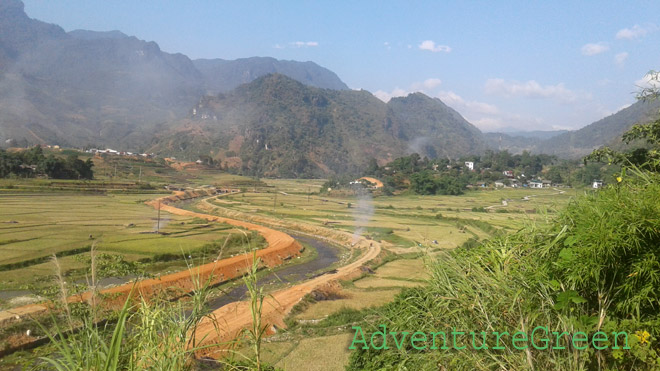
{"points": [[326, 256]]}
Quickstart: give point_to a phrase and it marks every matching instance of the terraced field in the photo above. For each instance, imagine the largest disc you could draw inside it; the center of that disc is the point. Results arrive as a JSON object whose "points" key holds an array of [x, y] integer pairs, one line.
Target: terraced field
{"points": [[33, 227]]}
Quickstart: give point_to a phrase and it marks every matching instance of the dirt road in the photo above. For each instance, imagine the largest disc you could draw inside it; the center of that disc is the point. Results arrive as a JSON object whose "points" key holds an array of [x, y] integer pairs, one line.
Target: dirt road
{"points": [[232, 318]]}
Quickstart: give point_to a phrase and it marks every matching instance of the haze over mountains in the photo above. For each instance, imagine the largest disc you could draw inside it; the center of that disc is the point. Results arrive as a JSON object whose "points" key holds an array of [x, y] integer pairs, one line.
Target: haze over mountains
{"points": [[87, 87], [278, 126], [266, 116]]}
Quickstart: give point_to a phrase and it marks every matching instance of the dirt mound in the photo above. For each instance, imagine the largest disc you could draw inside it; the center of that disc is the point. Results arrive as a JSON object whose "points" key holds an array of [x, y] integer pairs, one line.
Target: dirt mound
{"points": [[377, 183]]}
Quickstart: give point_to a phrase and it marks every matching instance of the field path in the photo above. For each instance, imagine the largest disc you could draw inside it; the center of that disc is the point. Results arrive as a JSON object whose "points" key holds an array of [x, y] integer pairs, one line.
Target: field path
{"points": [[226, 323]]}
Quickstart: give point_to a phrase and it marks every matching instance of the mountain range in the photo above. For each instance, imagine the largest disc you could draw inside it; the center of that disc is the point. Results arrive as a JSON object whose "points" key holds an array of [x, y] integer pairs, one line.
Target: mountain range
{"points": [[106, 88], [262, 115], [277, 126]]}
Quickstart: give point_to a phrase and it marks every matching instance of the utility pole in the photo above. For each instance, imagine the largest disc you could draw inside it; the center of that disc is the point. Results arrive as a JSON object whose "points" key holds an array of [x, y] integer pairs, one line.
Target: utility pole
{"points": [[275, 201], [115, 170], [140, 176], [158, 222]]}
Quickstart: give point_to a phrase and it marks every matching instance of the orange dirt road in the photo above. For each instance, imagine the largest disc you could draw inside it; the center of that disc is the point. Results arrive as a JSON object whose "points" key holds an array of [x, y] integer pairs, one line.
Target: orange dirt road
{"points": [[232, 318]]}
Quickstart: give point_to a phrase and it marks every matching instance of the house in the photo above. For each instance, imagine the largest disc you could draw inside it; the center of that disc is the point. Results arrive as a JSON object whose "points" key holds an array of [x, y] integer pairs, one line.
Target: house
{"points": [[535, 184], [508, 173], [546, 183], [469, 165], [597, 184], [499, 185]]}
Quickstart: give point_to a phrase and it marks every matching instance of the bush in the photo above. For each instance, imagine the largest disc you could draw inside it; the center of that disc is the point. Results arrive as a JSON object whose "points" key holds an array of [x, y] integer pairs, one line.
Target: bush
{"points": [[596, 267]]}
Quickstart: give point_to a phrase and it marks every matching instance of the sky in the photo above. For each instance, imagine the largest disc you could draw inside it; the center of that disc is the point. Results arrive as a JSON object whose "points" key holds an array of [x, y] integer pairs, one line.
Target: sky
{"points": [[526, 65]]}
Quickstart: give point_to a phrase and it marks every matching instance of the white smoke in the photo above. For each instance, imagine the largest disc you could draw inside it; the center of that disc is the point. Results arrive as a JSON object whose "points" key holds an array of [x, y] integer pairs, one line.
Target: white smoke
{"points": [[418, 145], [362, 213]]}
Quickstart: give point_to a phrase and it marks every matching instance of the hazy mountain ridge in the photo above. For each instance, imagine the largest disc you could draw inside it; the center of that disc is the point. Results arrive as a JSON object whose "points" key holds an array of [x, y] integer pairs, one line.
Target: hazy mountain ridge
{"points": [[224, 75], [278, 126], [109, 89], [578, 143], [102, 88]]}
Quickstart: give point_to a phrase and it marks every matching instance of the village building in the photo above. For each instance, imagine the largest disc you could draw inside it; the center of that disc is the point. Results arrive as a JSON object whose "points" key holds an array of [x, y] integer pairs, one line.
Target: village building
{"points": [[535, 184]]}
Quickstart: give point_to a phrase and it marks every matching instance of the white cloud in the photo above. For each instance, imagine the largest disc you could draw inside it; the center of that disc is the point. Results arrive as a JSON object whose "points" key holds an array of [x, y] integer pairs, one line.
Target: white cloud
{"points": [[297, 44], [427, 84], [424, 87], [432, 47], [620, 59], [456, 101], [561, 127], [634, 32], [593, 49], [304, 44], [650, 80], [485, 116], [530, 89], [386, 96], [623, 107]]}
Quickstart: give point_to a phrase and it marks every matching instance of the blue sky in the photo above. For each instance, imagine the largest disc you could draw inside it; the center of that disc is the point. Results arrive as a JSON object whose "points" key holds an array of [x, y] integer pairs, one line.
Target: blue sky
{"points": [[522, 64]]}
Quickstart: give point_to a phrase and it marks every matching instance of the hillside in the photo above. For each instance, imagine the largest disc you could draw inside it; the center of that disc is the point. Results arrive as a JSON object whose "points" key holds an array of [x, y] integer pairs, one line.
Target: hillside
{"points": [[431, 128], [106, 88], [278, 126], [608, 130]]}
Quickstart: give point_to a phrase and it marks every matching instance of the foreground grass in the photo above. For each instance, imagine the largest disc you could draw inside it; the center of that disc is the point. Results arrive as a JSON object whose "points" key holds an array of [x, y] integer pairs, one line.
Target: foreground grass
{"points": [[576, 274]]}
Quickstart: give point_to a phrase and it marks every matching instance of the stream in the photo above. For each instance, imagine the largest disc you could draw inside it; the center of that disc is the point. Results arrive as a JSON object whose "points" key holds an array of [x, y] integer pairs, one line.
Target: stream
{"points": [[326, 256]]}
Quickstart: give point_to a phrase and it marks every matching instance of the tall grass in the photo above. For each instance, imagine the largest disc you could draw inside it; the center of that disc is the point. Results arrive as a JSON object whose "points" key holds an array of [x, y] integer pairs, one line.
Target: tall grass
{"points": [[595, 267], [257, 296], [154, 334]]}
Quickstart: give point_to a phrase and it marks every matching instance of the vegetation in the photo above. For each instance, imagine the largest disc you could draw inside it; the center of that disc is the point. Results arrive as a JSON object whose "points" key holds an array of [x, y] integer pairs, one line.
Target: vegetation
{"points": [[594, 269], [279, 127], [154, 334], [122, 227], [33, 162], [426, 176]]}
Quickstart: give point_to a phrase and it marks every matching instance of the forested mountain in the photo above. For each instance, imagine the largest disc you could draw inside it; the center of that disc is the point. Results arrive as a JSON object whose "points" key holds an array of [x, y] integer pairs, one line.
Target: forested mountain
{"points": [[108, 89], [576, 143], [608, 130], [431, 128], [278, 126]]}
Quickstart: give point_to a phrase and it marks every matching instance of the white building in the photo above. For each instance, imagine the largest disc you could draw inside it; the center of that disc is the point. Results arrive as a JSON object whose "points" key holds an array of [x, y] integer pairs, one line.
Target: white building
{"points": [[535, 184], [469, 165]]}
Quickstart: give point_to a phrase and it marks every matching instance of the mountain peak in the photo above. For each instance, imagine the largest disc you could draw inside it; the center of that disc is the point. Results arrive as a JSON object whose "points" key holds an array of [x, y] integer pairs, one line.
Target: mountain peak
{"points": [[15, 7], [223, 75], [97, 35]]}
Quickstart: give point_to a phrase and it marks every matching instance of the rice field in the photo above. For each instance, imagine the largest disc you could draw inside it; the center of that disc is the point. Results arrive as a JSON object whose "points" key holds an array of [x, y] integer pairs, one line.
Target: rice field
{"points": [[404, 224], [408, 220], [33, 227]]}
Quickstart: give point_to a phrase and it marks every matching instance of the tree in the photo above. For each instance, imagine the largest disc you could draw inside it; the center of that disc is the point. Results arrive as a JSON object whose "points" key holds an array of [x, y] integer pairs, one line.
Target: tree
{"points": [[554, 175], [641, 158]]}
